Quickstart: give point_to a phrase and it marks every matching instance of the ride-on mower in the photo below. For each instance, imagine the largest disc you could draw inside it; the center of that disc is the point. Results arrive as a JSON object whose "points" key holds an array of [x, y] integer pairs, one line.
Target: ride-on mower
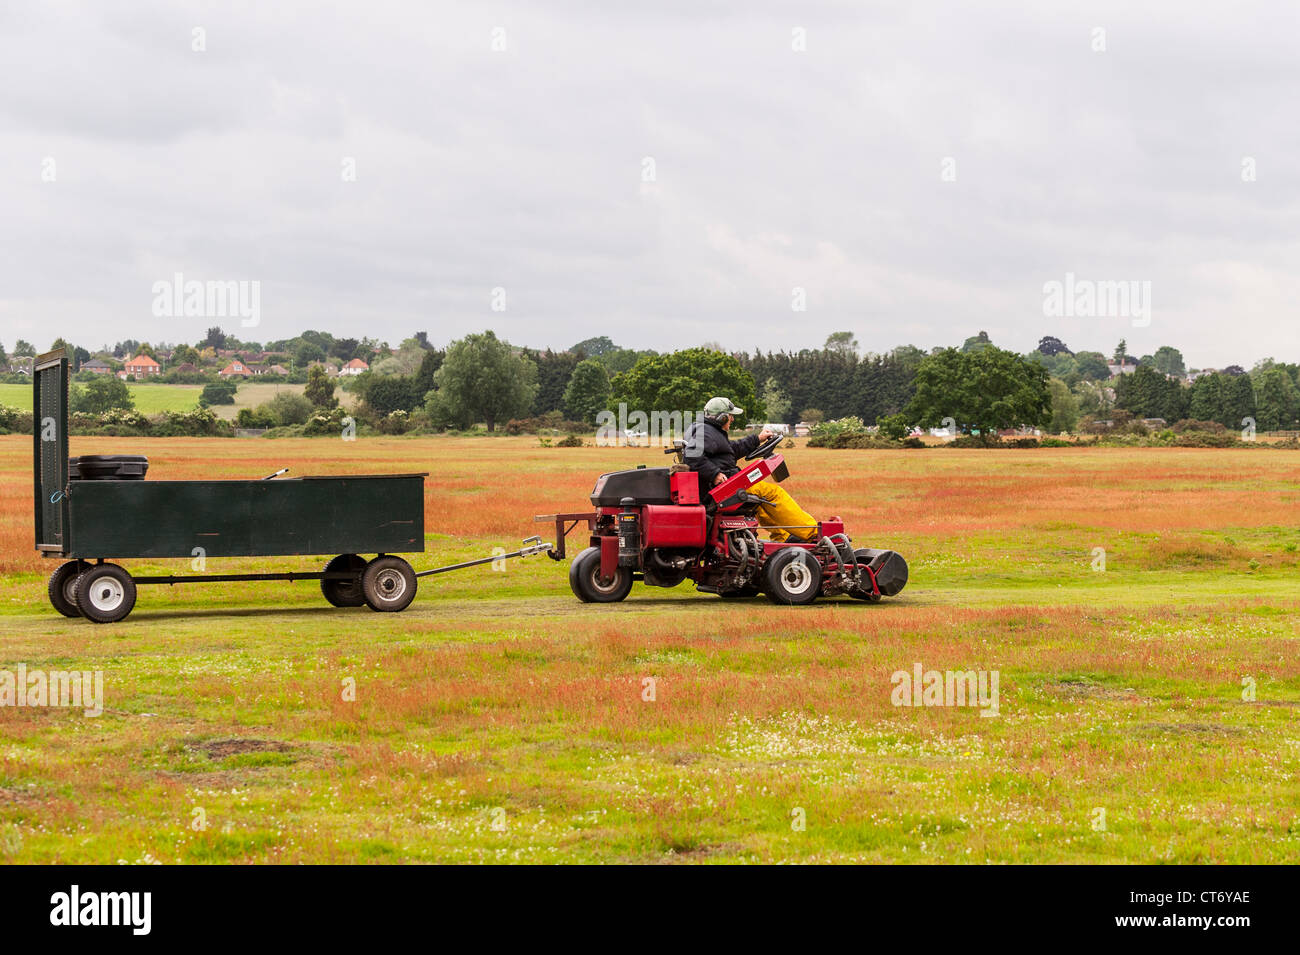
{"points": [[655, 525]]}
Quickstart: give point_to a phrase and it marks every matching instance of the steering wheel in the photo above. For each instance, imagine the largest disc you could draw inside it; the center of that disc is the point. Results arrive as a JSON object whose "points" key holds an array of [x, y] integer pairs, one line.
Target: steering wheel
{"points": [[765, 450]]}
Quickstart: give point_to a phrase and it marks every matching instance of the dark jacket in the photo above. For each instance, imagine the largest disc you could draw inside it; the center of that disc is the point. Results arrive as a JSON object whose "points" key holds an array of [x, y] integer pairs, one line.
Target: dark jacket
{"points": [[711, 452]]}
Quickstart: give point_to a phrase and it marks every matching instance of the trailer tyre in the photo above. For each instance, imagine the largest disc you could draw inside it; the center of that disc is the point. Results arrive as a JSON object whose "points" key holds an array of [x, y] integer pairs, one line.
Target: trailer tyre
{"points": [[388, 584], [586, 582], [105, 593], [62, 587], [345, 593], [792, 576]]}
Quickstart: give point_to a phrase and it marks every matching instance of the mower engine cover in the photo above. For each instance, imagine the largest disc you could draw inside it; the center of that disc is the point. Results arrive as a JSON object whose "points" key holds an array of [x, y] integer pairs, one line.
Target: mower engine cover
{"points": [[643, 485]]}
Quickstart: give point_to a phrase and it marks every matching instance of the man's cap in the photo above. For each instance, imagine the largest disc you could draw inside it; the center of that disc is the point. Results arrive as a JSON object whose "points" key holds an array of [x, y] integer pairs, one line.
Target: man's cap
{"points": [[720, 406]]}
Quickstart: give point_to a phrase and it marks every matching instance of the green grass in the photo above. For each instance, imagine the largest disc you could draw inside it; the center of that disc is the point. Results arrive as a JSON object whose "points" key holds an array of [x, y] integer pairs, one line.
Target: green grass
{"points": [[497, 700], [498, 719], [149, 398]]}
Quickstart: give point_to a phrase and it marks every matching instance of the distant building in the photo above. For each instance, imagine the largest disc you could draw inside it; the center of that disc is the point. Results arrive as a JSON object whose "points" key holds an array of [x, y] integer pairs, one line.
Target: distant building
{"points": [[186, 367], [236, 369], [355, 367], [96, 365], [1127, 368], [277, 370], [142, 366]]}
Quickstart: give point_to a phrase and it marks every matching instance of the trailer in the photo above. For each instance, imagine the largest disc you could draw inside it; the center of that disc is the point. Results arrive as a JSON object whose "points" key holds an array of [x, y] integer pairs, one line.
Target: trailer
{"points": [[93, 508]]}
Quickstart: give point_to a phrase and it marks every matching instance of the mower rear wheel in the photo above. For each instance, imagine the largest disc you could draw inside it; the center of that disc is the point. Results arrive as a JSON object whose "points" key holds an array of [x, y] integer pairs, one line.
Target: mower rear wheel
{"points": [[105, 593], [590, 587], [792, 576], [62, 587], [388, 584], [344, 593]]}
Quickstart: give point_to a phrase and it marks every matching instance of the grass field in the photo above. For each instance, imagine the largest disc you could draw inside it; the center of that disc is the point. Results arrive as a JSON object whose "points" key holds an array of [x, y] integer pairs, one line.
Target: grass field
{"points": [[499, 719], [148, 398]]}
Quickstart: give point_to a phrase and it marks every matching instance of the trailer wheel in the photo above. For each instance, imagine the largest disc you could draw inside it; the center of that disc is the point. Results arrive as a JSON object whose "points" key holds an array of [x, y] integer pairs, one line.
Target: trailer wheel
{"points": [[344, 593], [62, 587], [792, 576], [105, 593], [587, 584], [388, 584]]}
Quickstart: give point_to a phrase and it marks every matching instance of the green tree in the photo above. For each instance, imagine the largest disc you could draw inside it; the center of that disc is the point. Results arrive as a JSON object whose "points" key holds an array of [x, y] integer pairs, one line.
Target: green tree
{"points": [[982, 390], [1277, 400], [1050, 345], [894, 426], [103, 394], [320, 389], [1121, 351], [1206, 399], [683, 381], [306, 353], [776, 402], [1148, 394], [482, 379], [424, 377], [587, 393], [842, 343], [1092, 365], [289, 407], [977, 342], [214, 339], [23, 349], [391, 393], [1168, 360], [1065, 408], [595, 347], [217, 393], [812, 416]]}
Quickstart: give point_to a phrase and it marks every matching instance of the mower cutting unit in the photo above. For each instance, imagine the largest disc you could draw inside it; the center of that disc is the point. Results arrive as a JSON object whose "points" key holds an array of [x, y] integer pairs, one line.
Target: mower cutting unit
{"points": [[655, 525]]}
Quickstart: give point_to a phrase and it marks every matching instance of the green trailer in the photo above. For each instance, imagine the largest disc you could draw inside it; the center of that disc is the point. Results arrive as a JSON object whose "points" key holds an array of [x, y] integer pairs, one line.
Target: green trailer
{"points": [[87, 518]]}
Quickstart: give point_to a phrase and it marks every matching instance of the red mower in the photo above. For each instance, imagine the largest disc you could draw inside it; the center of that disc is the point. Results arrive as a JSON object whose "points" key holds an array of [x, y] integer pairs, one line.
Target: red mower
{"points": [[654, 525]]}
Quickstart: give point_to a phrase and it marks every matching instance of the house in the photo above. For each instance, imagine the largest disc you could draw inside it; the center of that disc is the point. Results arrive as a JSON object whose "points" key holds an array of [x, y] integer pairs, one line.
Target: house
{"points": [[142, 366], [802, 429], [1127, 368], [186, 368], [236, 369], [355, 367], [97, 365], [277, 370]]}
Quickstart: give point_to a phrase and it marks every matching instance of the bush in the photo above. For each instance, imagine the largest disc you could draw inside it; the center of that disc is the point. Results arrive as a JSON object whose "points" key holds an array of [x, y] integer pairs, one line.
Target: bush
{"points": [[893, 426], [15, 421], [259, 417], [289, 407], [572, 441], [396, 422], [218, 393], [825, 434], [1055, 443], [1191, 424], [551, 421], [326, 423]]}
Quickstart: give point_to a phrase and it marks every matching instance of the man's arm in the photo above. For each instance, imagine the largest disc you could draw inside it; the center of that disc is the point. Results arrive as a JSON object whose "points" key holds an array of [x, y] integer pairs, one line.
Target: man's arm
{"points": [[744, 446]]}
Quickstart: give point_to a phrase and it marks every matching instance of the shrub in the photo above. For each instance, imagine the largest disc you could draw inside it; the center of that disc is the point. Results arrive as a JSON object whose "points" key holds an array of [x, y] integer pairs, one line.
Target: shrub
{"points": [[826, 434], [288, 407], [15, 421], [218, 393], [259, 417], [572, 441]]}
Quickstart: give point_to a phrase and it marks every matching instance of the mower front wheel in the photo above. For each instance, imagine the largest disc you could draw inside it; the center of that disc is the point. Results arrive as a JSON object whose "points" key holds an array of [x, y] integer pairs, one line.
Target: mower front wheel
{"points": [[590, 587], [792, 576]]}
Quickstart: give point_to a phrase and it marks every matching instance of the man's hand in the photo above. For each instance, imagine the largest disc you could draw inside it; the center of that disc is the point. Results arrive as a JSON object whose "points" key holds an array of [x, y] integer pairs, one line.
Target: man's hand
{"points": [[765, 435], [719, 479]]}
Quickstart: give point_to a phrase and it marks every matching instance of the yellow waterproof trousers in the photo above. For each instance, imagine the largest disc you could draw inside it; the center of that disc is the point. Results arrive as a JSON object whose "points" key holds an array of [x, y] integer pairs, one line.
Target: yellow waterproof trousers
{"points": [[785, 519]]}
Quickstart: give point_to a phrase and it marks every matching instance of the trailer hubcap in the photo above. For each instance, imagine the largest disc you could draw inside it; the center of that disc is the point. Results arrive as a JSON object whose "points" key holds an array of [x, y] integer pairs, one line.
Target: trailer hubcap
{"points": [[107, 595], [70, 589], [390, 584]]}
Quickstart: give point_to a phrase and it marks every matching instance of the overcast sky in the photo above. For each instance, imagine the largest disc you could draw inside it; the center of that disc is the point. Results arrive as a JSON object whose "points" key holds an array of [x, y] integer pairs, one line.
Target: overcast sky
{"points": [[774, 169]]}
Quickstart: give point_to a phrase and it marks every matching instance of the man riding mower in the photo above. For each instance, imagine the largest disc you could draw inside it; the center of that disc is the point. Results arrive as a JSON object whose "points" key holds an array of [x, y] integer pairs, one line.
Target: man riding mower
{"points": [[699, 520], [711, 452]]}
